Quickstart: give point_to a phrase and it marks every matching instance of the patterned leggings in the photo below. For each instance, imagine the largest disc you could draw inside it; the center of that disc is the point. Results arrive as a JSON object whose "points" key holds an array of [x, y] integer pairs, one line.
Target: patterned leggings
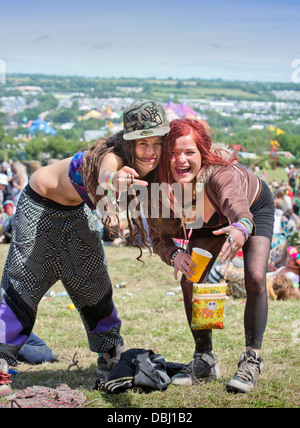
{"points": [[256, 253], [51, 243]]}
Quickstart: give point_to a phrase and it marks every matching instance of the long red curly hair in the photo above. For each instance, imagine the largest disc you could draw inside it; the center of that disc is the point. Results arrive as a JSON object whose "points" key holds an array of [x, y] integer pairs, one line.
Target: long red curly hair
{"points": [[200, 132]]}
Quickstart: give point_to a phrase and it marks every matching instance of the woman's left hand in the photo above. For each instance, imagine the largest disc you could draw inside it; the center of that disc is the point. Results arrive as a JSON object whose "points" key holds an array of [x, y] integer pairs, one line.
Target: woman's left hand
{"points": [[233, 243]]}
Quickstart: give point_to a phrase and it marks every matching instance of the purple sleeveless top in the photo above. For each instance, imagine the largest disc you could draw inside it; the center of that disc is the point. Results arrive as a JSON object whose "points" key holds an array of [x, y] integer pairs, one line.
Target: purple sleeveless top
{"points": [[76, 179]]}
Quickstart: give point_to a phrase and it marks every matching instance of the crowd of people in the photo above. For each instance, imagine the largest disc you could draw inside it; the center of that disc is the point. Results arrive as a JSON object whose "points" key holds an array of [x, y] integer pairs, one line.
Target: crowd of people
{"points": [[55, 235], [284, 266], [13, 179], [283, 269]]}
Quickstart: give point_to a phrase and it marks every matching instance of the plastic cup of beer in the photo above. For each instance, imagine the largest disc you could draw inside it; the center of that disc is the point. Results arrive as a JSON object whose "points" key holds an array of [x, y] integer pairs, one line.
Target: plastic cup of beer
{"points": [[201, 258]]}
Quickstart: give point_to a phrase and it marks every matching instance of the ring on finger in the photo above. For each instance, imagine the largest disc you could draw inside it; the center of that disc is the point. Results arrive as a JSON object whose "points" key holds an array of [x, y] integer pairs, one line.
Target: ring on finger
{"points": [[232, 247], [230, 240], [130, 177]]}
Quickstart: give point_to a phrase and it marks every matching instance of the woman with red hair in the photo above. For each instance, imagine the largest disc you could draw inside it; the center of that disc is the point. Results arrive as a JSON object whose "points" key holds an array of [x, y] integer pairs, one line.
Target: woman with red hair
{"points": [[237, 213]]}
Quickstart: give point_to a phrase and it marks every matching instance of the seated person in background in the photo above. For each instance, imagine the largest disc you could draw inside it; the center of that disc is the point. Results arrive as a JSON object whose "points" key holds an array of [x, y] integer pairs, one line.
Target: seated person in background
{"points": [[6, 221], [283, 283], [3, 190]]}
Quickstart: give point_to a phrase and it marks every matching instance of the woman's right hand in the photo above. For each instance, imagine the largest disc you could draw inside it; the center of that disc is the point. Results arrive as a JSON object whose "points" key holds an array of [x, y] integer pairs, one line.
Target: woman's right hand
{"points": [[126, 176], [184, 264]]}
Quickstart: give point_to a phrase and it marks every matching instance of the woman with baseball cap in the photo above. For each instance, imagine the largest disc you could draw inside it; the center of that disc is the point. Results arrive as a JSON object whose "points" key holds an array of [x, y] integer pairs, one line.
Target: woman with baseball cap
{"points": [[131, 158], [138, 150]]}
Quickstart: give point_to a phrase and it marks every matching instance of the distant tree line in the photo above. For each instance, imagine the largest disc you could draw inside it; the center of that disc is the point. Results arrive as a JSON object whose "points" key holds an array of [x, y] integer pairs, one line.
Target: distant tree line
{"points": [[101, 87], [227, 129]]}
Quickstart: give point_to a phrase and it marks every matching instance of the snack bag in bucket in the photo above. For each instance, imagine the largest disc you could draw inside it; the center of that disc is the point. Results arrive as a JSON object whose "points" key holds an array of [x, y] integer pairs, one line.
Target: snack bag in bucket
{"points": [[208, 306]]}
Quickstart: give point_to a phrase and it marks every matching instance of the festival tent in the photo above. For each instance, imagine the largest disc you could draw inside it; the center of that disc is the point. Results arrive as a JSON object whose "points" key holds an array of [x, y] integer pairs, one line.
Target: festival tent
{"points": [[93, 114], [181, 110], [171, 115], [40, 125]]}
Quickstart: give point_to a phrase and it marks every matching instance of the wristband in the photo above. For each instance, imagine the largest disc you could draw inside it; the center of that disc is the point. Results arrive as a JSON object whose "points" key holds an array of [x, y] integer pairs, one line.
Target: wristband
{"points": [[180, 250], [245, 219], [246, 226], [241, 228], [247, 223], [109, 180]]}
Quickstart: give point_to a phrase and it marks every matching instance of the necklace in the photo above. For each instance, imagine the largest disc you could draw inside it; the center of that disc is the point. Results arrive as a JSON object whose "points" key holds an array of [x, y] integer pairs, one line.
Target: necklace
{"points": [[188, 208]]}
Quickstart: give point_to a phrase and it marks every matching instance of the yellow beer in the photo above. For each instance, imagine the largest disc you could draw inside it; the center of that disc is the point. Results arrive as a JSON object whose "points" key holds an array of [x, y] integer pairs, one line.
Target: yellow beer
{"points": [[201, 258]]}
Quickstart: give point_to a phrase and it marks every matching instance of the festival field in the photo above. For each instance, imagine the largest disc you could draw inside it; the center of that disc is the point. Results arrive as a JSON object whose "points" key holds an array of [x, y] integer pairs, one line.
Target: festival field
{"points": [[151, 307]]}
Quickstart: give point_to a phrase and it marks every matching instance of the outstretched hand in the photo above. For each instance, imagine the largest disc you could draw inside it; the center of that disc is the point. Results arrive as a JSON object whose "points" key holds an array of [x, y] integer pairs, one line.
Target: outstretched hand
{"points": [[126, 176], [233, 243]]}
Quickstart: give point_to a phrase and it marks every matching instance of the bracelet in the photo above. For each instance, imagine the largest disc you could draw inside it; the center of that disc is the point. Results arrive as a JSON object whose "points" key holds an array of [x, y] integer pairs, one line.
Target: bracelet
{"points": [[247, 223], [246, 226], [246, 220], [109, 180], [241, 229], [180, 250]]}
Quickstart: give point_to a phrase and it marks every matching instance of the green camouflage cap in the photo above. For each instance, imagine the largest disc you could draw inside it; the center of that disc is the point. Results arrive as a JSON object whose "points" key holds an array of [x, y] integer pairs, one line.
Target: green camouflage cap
{"points": [[145, 118]]}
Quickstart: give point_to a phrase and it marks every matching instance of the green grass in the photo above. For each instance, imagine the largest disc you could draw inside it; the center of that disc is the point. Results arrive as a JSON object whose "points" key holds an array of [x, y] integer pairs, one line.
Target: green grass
{"points": [[194, 92], [278, 173], [152, 319]]}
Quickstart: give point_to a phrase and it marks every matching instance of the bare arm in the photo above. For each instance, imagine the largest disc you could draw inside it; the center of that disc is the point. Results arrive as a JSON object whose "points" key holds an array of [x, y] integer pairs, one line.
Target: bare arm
{"points": [[112, 165]]}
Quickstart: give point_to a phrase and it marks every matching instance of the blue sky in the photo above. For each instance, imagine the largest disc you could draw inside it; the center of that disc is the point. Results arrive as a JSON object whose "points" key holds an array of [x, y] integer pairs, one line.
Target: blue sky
{"points": [[236, 39]]}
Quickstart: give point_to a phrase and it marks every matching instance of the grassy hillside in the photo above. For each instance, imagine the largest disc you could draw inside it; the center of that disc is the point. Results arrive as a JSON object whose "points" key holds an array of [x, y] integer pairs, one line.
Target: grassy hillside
{"points": [[152, 312]]}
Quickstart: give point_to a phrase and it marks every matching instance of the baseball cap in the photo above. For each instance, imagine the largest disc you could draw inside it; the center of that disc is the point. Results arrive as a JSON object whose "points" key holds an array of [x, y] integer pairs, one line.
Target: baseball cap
{"points": [[144, 118], [3, 179]]}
